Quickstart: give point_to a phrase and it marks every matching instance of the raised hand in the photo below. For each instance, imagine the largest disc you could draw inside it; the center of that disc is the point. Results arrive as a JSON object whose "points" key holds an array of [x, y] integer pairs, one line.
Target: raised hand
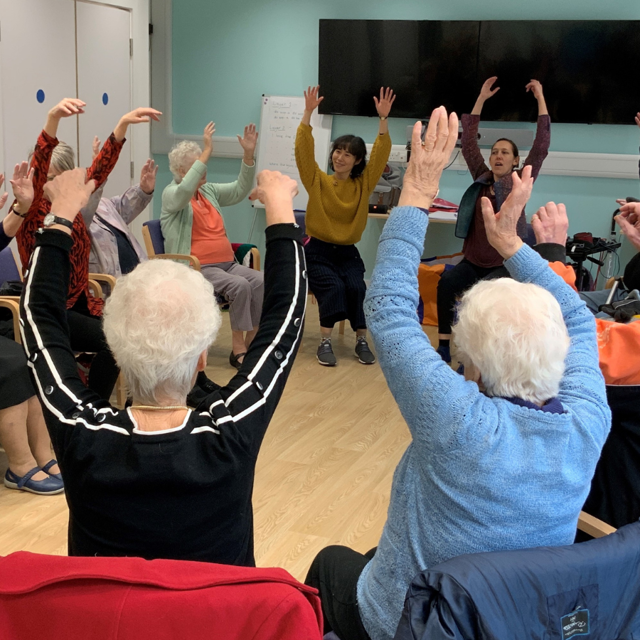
{"points": [[22, 185], [69, 192], [487, 91], [207, 137], [536, 88], [276, 191], [249, 140], [67, 107], [550, 224], [141, 114], [501, 227], [429, 158], [95, 147], [148, 176], [311, 99], [137, 116], [383, 104], [629, 222], [5, 195]]}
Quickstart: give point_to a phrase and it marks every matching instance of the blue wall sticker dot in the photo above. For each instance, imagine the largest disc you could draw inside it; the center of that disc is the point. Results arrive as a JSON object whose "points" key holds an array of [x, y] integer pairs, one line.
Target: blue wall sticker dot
{"points": [[105, 98], [40, 96]]}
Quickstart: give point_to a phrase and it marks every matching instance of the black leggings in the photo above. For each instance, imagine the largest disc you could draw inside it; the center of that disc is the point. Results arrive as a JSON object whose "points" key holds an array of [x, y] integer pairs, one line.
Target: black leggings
{"points": [[336, 279], [453, 283], [334, 573], [86, 334]]}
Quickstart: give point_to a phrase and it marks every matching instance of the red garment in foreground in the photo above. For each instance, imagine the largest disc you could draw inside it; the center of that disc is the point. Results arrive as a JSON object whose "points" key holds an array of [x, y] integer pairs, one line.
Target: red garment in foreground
{"points": [[58, 597], [99, 171]]}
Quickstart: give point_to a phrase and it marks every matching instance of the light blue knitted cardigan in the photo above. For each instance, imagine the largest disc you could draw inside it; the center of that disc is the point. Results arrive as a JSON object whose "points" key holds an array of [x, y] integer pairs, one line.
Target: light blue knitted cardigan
{"points": [[481, 473]]}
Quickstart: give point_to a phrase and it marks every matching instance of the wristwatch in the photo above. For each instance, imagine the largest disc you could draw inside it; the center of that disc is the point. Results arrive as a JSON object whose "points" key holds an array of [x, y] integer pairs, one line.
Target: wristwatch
{"points": [[51, 219]]}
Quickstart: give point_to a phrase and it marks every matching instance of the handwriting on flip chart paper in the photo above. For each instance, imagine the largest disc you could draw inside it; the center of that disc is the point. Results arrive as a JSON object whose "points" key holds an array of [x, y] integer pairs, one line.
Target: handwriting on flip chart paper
{"points": [[279, 121]]}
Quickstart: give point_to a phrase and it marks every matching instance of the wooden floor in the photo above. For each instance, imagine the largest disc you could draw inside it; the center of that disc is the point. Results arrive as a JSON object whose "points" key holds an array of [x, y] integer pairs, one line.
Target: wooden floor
{"points": [[324, 472]]}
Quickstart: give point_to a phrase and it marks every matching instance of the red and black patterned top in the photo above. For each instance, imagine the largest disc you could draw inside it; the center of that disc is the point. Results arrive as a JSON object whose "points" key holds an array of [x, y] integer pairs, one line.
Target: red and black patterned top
{"points": [[99, 171]]}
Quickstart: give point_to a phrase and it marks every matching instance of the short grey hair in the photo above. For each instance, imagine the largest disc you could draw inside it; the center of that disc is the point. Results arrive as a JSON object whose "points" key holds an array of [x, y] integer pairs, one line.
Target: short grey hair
{"points": [[515, 335], [63, 157], [158, 320], [180, 155]]}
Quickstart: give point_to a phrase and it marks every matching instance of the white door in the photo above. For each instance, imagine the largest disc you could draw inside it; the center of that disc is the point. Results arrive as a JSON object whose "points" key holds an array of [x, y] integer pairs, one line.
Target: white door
{"points": [[38, 69], [104, 83]]}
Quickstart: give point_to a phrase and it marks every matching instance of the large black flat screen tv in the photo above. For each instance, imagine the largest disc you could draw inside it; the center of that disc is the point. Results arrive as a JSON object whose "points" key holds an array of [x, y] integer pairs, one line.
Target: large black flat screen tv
{"points": [[590, 70]]}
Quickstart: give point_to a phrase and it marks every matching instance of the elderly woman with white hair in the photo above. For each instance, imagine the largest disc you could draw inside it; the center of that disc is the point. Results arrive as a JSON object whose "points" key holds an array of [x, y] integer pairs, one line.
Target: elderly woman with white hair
{"points": [[192, 224], [501, 460], [159, 480]]}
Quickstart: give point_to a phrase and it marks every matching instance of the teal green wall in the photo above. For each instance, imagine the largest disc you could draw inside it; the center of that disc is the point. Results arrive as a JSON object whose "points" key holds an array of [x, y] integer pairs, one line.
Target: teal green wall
{"points": [[226, 54]]}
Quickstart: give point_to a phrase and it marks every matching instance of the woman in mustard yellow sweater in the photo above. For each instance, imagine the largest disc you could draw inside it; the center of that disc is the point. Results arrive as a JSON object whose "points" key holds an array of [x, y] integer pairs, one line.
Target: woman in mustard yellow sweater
{"points": [[336, 217]]}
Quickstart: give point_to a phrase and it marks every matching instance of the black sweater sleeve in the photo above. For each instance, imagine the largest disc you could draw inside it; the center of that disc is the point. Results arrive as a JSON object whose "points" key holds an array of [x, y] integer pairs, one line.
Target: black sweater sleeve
{"points": [[45, 335], [248, 402]]}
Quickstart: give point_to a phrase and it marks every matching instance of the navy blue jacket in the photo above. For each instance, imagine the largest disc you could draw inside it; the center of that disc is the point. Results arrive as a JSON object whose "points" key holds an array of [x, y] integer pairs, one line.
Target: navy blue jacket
{"points": [[587, 591]]}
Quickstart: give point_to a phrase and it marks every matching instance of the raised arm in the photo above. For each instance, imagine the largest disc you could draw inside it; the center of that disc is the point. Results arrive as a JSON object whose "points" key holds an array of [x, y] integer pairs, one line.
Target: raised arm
{"points": [[382, 145], [257, 387], [136, 199], [46, 143], [106, 160], [470, 149], [231, 193], [177, 195], [540, 149], [22, 185], [422, 384], [304, 146], [45, 333], [582, 389]]}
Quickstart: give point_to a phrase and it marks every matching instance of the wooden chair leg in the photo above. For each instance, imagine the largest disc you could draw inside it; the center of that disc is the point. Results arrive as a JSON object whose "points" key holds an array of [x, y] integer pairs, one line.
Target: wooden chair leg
{"points": [[121, 391], [341, 328]]}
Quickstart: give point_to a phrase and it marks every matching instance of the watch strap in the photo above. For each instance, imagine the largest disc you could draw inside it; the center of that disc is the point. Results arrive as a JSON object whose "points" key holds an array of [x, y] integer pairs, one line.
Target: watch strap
{"points": [[57, 220]]}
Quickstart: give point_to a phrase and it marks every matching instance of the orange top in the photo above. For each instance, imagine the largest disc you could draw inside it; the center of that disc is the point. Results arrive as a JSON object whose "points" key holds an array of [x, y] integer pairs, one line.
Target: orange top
{"points": [[209, 242], [618, 344]]}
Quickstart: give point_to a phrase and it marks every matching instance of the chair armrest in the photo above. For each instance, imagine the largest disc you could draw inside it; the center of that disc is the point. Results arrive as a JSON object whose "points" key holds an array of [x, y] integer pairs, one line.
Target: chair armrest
{"points": [[255, 259], [104, 278], [96, 289], [13, 304], [594, 527], [194, 263]]}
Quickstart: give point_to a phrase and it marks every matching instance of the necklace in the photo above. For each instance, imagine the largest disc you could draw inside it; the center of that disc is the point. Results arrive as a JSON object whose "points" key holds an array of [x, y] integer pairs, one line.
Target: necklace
{"points": [[152, 408]]}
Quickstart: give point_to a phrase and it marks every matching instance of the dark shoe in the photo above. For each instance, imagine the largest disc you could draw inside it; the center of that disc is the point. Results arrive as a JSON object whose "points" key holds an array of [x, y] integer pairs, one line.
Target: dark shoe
{"points": [[325, 354], [48, 487], [48, 466], [233, 359], [363, 353], [444, 353]]}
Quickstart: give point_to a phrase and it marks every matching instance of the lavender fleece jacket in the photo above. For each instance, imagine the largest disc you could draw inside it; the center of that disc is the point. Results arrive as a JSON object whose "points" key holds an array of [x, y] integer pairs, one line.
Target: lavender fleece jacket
{"points": [[482, 473]]}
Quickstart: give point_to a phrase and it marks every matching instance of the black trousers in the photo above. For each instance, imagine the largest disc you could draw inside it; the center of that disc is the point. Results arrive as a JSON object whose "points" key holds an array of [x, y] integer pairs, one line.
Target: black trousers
{"points": [[334, 573], [86, 334], [453, 283], [336, 279]]}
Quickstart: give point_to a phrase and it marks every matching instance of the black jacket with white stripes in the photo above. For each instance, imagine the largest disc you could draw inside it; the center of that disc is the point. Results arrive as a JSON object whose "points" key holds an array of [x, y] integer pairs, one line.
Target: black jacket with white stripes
{"points": [[183, 493]]}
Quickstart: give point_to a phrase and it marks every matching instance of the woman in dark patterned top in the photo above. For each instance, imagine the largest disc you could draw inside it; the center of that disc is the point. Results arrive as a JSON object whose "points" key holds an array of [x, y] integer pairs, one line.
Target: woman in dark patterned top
{"points": [[493, 182], [51, 158]]}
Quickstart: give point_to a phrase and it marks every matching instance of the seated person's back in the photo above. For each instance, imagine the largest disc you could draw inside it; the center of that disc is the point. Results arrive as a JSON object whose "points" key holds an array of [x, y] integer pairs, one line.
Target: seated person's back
{"points": [[159, 479]]}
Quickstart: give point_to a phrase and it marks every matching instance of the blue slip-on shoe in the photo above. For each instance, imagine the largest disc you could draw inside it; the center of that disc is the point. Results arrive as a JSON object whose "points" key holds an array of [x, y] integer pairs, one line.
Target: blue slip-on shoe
{"points": [[48, 487], [57, 476]]}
